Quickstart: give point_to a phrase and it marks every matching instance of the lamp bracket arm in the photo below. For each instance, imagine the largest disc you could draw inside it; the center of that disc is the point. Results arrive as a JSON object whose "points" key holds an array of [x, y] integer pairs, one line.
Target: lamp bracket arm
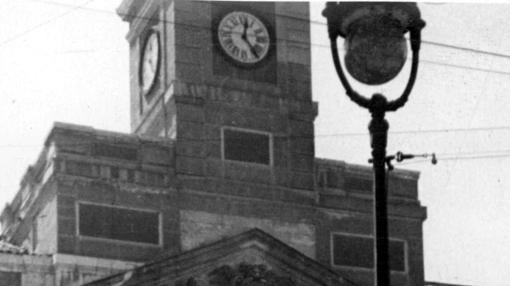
{"points": [[415, 32], [359, 99], [415, 46], [351, 93]]}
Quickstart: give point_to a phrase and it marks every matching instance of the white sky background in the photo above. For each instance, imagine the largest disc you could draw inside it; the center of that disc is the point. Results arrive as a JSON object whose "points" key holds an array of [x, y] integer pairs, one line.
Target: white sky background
{"points": [[59, 63]]}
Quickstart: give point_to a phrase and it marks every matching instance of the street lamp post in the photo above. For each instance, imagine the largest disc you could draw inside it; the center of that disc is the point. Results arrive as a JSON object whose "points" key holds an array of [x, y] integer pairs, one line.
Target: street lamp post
{"points": [[376, 51]]}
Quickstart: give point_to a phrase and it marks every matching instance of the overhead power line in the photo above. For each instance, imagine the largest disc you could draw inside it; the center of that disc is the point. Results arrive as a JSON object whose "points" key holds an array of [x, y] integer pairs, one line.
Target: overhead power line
{"points": [[450, 46], [458, 158], [424, 131], [480, 152], [466, 49], [476, 157], [325, 46], [414, 132], [353, 134], [44, 23], [463, 67], [82, 7]]}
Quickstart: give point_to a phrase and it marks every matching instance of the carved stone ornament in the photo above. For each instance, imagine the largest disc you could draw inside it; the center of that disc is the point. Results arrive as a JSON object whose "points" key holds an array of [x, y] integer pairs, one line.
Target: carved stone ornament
{"points": [[247, 275], [243, 275]]}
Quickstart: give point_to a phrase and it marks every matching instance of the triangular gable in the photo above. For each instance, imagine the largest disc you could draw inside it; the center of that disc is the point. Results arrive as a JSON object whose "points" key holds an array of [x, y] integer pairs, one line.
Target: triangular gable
{"points": [[250, 258]]}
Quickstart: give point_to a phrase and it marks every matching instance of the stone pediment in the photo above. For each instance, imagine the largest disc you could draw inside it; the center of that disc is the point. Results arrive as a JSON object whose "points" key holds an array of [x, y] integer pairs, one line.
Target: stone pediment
{"points": [[252, 258]]}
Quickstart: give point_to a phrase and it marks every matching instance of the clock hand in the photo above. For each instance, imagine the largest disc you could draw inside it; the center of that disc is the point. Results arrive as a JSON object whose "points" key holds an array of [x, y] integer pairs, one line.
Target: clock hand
{"points": [[244, 37], [252, 49]]}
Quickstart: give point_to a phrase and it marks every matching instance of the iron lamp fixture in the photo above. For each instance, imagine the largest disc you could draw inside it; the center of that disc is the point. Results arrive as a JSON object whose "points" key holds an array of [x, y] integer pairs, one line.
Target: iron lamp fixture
{"points": [[375, 45]]}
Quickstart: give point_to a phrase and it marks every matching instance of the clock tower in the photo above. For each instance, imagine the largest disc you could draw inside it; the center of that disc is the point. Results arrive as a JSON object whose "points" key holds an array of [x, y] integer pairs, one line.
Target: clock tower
{"points": [[228, 81]]}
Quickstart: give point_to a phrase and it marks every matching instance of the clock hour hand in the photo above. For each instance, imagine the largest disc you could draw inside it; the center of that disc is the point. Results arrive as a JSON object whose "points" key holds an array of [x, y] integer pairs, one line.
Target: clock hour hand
{"points": [[244, 37]]}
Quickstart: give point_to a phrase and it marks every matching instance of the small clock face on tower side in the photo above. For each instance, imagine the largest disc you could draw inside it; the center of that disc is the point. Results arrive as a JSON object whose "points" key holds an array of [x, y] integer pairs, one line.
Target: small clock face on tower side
{"points": [[149, 62], [243, 37]]}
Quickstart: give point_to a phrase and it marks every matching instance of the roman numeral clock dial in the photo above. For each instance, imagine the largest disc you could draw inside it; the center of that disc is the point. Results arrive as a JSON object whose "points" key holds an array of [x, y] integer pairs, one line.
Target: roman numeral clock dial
{"points": [[243, 37]]}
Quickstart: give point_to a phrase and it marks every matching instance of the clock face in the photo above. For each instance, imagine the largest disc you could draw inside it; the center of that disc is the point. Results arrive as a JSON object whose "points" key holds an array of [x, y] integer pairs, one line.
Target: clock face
{"points": [[149, 62], [243, 37]]}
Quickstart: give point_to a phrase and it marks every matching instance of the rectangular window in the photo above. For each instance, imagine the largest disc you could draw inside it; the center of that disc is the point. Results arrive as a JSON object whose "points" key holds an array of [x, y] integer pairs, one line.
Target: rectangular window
{"points": [[358, 251], [152, 178], [118, 223], [114, 172], [247, 146], [131, 176], [10, 278]]}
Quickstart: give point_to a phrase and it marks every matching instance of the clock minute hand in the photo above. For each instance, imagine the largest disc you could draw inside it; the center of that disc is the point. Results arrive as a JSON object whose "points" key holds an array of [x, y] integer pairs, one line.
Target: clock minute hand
{"points": [[252, 50], [244, 36]]}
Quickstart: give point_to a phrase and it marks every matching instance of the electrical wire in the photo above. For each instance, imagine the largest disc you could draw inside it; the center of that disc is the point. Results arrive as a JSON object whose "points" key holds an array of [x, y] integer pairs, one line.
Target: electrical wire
{"points": [[471, 155], [435, 43], [82, 7], [504, 151], [463, 67], [424, 131], [455, 47], [293, 137], [44, 23], [474, 156]]}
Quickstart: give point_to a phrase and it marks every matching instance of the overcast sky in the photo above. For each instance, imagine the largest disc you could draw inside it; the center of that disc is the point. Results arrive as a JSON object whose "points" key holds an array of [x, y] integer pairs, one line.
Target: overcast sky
{"points": [[69, 62]]}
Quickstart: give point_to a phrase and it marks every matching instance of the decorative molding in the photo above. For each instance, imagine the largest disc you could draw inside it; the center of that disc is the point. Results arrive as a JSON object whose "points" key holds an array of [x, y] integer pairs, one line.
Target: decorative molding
{"points": [[245, 274]]}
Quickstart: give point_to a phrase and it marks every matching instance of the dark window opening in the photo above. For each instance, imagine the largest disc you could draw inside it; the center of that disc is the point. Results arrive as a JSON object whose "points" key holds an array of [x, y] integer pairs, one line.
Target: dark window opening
{"points": [[114, 172], [152, 178], [118, 223], [356, 251], [10, 278], [131, 176], [246, 146]]}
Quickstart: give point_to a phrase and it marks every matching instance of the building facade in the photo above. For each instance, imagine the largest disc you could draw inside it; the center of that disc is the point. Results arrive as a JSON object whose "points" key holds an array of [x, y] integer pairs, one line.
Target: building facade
{"points": [[221, 153]]}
